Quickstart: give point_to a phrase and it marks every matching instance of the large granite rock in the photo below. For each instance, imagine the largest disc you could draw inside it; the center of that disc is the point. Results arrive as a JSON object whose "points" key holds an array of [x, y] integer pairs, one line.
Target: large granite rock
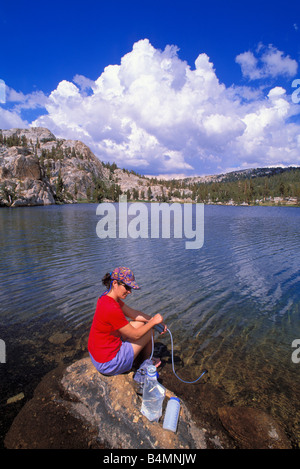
{"points": [[78, 408], [104, 411], [34, 164], [37, 155], [113, 406]]}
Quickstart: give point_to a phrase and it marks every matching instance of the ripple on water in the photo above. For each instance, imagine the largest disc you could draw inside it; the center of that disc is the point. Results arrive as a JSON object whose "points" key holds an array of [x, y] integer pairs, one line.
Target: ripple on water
{"points": [[232, 306]]}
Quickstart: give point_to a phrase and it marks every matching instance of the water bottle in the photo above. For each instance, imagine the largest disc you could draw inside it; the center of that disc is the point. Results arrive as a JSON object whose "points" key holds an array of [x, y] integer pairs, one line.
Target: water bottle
{"points": [[172, 414], [153, 396]]}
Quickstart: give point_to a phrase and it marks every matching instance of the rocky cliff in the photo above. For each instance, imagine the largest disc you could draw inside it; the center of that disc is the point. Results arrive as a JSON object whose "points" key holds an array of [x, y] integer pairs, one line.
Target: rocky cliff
{"points": [[36, 168]]}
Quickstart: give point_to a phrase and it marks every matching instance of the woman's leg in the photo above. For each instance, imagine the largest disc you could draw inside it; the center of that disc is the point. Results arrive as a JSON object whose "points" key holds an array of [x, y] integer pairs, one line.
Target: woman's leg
{"points": [[142, 346]]}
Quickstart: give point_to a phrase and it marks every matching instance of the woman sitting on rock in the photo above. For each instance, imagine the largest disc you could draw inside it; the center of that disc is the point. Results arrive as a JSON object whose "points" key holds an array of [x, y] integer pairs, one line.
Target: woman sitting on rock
{"points": [[114, 342]]}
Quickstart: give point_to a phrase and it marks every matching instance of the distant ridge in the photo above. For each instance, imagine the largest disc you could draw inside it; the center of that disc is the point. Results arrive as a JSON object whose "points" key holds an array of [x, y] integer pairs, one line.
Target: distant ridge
{"points": [[239, 174]]}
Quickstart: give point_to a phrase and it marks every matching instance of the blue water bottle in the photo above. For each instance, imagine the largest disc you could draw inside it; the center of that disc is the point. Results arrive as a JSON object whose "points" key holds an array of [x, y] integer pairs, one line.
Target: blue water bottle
{"points": [[172, 414]]}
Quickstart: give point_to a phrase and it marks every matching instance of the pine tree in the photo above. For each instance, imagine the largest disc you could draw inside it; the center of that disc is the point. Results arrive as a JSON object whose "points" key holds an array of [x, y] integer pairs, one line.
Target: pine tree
{"points": [[59, 188]]}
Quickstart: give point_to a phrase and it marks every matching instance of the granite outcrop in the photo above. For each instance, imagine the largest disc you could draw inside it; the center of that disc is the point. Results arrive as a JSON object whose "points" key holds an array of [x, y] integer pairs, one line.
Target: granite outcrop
{"points": [[76, 407], [36, 168], [103, 411]]}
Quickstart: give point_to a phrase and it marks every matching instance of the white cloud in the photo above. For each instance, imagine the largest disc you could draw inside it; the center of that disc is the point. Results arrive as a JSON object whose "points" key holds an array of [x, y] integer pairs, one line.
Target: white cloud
{"points": [[15, 103], [11, 120], [155, 113], [249, 65], [25, 101], [270, 62], [83, 82]]}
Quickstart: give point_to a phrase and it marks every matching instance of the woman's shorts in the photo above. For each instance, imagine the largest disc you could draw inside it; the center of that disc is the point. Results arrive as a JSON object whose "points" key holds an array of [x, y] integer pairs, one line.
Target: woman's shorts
{"points": [[121, 363]]}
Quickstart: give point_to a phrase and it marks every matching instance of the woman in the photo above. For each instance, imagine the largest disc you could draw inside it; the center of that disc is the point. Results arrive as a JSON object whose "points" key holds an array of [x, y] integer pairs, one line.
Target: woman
{"points": [[114, 342]]}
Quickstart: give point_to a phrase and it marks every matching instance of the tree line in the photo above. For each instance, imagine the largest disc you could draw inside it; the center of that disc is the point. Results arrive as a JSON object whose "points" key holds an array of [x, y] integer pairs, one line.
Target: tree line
{"points": [[239, 187], [250, 189]]}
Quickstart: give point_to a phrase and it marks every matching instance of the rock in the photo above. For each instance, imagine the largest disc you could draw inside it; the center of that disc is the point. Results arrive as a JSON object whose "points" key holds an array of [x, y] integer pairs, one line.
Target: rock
{"points": [[37, 154], [96, 411], [34, 165], [34, 134], [17, 397], [78, 408], [26, 166], [46, 422], [31, 193], [60, 338], [253, 428], [113, 406]]}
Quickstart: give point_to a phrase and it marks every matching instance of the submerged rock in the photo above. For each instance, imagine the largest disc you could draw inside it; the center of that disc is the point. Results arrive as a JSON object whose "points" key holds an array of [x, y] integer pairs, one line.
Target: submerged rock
{"points": [[59, 338], [17, 397], [253, 428]]}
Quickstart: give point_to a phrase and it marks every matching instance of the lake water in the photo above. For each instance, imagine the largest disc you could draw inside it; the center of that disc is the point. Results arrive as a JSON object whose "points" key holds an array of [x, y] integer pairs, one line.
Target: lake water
{"points": [[232, 306]]}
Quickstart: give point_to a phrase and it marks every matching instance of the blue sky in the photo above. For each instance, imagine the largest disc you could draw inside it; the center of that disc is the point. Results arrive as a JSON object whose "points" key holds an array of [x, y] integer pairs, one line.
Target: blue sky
{"points": [[161, 87]]}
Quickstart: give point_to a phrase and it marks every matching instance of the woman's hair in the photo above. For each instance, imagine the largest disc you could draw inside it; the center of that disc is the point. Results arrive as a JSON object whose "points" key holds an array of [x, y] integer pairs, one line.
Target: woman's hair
{"points": [[106, 280]]}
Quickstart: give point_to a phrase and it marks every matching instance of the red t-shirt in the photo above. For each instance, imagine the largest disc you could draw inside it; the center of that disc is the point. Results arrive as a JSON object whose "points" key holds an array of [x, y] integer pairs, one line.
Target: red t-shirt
{"points": [[104, 339]]}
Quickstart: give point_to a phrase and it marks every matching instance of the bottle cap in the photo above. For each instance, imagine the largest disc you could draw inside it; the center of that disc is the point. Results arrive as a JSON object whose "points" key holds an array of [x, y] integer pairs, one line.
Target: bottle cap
{"points": [[175, 399], [151, 370]]}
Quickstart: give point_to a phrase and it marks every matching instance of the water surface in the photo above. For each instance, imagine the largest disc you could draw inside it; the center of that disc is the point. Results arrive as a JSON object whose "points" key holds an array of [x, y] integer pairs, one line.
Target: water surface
{"points": [[232, 306]]}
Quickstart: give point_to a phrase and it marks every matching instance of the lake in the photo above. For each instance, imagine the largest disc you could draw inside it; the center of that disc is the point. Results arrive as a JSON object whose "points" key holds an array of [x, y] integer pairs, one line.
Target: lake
{"points": [[232, 306]]}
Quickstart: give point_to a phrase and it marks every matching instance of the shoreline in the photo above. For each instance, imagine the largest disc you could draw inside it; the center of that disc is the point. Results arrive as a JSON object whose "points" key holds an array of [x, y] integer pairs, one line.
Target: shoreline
{"points": [[181, 201]]}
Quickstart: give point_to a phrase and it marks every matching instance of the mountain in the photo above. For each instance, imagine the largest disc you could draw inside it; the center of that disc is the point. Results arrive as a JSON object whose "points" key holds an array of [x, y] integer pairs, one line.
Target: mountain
{"points": [[36, 168]]}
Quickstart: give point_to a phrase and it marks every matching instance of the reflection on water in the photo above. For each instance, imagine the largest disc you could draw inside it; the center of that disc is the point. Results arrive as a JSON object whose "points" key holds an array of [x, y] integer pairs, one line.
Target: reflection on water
{"points": [[232, 306]]}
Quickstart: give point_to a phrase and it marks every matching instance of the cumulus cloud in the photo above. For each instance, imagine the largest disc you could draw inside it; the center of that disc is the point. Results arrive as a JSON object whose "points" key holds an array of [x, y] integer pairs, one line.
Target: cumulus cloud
{"points": [[11, 119], [156, 114], [270, 62], [16, 102]]}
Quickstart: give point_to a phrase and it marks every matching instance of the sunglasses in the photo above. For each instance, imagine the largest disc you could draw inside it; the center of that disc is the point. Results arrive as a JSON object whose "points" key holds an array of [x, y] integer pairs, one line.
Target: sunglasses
{"points": [[128, 288]]}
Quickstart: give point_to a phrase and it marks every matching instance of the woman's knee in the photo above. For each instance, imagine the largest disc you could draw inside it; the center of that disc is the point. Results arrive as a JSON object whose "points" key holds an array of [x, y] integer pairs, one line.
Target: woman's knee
{"points": [[137, 324]]}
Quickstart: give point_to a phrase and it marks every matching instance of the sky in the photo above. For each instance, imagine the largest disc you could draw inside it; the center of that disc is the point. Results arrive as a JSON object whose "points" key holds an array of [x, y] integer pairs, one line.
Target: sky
{"points": [[165, 88]]}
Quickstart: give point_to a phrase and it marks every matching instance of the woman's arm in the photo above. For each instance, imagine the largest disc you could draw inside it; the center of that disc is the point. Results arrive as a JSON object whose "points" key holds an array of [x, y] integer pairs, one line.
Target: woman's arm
{"points": [[135, 314], [133, 333]]}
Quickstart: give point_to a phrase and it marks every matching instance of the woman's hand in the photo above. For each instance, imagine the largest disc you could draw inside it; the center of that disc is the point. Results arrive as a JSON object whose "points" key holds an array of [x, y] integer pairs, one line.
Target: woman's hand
{"points": [[158, 319]]}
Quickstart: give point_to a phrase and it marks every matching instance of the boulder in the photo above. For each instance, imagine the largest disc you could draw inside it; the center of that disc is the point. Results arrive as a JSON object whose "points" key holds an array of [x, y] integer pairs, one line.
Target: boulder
{"points": [[32, 192], [76, 407], [103, 411], [252, 428], [59, 338]]}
